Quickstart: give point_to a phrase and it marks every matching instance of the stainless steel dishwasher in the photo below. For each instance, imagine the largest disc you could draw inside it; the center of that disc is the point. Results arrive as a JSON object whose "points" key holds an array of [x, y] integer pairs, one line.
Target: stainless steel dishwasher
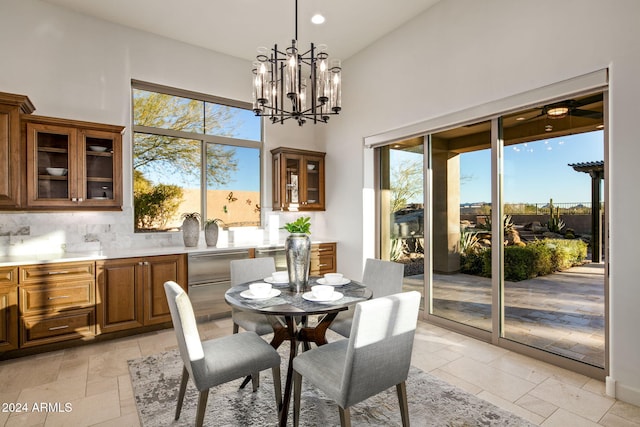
{"points": [[276, 252], [209, 277]]}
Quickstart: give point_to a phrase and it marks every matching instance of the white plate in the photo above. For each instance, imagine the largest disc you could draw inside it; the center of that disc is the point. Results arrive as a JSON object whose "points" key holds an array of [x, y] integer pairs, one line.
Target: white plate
{"points": [[272, 281], [249, 295], [309, 297], [343, 281]]}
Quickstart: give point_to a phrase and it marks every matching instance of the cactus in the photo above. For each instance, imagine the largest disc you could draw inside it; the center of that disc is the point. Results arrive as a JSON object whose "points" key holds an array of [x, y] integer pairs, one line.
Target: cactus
{"points": [[555, 224]]}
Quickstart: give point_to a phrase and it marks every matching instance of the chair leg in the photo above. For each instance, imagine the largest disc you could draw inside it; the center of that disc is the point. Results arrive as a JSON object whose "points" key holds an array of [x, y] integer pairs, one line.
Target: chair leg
{"points": [[345, 417], [202, 407], [255, 381], [183, 388], [297, 389], [401, 388], [277, 385]]}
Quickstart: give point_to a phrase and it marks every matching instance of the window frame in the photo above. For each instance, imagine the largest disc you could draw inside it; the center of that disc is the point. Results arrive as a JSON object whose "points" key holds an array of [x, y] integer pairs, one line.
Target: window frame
{"points": [[203, 137]]}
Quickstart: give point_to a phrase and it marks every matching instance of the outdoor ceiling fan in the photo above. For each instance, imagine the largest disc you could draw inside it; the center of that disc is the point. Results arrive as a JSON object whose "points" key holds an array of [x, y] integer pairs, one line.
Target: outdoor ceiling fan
{"points": [[573, 107]]}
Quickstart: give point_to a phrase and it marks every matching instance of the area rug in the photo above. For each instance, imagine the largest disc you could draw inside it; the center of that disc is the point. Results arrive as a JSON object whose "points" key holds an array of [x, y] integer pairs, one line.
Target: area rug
{"points": [[432, 402]]}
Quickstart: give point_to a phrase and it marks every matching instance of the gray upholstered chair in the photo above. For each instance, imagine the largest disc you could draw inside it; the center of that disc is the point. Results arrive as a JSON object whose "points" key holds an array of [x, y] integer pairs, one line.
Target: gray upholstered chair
{"points": [[217, 361], [383, 278], [246, 270], [376, 356]]}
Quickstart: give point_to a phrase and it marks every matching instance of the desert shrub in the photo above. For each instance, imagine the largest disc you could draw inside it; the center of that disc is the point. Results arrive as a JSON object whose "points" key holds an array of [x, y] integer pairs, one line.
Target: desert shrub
{"points": [[155, 206], [471, 262], [537, 258], [568, 252], [519, 263]]}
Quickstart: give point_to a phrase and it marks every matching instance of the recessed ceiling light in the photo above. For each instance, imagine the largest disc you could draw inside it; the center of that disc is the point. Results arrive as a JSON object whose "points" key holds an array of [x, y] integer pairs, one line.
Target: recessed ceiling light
{"points": [[317, 19]]}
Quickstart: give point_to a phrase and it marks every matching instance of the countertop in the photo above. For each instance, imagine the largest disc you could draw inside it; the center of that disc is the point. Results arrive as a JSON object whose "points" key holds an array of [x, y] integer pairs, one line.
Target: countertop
{"points": [[45, 258]]}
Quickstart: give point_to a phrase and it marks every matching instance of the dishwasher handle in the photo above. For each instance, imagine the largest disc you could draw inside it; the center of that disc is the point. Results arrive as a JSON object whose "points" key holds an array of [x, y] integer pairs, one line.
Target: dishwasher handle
{"points": [[216, 254], [269, 250], [210, 283]]}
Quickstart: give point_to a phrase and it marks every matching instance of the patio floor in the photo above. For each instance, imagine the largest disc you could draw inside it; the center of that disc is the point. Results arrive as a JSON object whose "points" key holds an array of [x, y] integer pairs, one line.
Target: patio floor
{"points": [[562, 313]]}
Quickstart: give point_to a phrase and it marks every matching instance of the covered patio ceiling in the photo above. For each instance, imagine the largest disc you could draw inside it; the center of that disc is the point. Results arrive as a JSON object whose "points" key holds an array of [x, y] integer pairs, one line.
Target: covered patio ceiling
{"points": [[585, 114]]}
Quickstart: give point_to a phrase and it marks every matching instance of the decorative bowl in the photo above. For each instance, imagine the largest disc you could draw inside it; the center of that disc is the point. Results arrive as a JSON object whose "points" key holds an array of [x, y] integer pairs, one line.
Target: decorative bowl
{"points": [[311, 167], [57, 171], [97, 148]]}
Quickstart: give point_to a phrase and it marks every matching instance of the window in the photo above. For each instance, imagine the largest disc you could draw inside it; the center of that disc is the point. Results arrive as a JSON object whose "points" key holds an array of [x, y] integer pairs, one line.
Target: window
{"points": [[193, 153]]}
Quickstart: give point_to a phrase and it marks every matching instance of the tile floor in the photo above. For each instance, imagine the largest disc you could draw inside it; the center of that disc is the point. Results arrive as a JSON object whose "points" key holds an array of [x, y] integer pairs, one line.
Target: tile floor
{"points": [[562, 313], [94, 381]]}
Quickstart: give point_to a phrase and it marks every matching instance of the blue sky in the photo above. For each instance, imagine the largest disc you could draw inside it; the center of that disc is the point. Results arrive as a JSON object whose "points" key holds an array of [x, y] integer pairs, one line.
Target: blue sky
{"points": [[535, 172]]}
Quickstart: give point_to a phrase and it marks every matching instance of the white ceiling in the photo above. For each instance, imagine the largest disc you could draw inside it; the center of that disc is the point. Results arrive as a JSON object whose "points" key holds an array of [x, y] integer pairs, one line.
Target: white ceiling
{"points": [[239, 27]]}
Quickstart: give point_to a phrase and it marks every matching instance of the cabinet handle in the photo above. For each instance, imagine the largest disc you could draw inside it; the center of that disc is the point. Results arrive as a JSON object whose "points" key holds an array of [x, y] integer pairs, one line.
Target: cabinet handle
{"points": [[56, 328], [73, 199], [145, 263], [59, 297], [58, 272], [80, 200]]}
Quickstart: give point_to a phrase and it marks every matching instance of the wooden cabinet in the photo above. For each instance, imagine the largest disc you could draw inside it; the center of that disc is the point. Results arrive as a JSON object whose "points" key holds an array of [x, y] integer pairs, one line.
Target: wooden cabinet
{"points": [[57, 302], [131, 290], [72, 164], [8, 308], [323, 259], [298, 180], [11, 169]]}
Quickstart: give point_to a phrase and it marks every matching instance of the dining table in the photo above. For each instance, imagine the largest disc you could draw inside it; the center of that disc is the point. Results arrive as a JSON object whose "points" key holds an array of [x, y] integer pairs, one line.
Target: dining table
{"points": [[289, 313]]}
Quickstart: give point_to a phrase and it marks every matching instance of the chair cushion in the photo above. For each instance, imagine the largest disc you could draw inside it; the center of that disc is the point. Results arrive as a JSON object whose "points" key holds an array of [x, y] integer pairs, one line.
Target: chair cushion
{"points": [[232, 357], [254, 322], [324, 367], [342, 323]]}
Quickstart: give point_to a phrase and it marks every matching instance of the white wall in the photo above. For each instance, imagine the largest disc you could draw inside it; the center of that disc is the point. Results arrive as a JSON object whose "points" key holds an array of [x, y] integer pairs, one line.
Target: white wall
{"points": [[465, 53], [76, 67]]}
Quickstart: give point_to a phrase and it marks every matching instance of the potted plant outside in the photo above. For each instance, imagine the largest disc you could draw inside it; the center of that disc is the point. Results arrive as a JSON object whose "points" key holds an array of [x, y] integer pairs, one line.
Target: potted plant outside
{"points": [[211, 231], [298, 252], [190, 228]]}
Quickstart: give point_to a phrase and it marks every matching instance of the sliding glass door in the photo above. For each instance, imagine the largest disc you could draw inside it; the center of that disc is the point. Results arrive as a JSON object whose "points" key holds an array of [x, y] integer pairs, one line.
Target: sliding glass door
{"points": [[554, 284], [461, 224], [511, 227], [401, 197]]}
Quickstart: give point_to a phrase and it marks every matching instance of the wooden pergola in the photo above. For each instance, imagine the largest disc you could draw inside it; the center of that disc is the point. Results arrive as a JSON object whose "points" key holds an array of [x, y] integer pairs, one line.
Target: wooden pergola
{"points": [[596, 171]]}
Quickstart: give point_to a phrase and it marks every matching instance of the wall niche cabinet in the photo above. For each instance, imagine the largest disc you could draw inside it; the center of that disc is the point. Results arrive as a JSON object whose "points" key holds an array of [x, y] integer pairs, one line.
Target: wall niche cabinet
{"points": [[298, 180], [11, 169], [72, 164], [131, 290]]}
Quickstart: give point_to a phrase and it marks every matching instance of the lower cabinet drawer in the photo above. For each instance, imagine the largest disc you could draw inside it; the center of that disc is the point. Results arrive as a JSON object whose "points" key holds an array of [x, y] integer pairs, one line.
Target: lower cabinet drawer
{"points": [[327, 264], [44, 329], [58, 296]]}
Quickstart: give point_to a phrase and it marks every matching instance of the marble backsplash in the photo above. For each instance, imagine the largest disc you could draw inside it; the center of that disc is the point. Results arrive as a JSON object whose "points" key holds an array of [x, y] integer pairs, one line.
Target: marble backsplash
{"points": [[52, 232], [81, 232]]}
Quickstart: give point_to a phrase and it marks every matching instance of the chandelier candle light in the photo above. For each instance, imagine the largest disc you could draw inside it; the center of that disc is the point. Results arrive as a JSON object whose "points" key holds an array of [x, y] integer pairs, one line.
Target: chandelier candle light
{"points": [[280, 90]]}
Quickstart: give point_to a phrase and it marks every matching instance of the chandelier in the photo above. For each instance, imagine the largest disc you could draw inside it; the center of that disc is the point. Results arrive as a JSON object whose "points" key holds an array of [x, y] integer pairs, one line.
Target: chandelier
{"points": [[292, 85]]}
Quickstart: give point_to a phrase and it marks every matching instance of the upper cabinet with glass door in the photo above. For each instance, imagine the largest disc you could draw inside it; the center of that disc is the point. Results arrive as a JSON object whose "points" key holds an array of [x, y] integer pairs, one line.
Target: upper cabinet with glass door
{"points": [[73, 165], [298, 180]]}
